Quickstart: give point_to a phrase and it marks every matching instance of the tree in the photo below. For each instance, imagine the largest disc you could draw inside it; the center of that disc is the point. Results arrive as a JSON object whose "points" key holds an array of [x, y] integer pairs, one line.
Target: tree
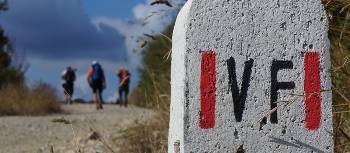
{"points": [[8, 74], [3, 5]]}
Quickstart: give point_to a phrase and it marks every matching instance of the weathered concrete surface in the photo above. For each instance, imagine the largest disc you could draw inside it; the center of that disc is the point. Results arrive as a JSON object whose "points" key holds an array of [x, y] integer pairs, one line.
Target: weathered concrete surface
{"points": [[263, 31]]}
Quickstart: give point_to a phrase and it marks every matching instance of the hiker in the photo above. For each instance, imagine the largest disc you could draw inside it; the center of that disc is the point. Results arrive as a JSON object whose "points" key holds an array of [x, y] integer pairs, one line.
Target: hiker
{"points": [[68, 75], [97, 82], [124, 81]]}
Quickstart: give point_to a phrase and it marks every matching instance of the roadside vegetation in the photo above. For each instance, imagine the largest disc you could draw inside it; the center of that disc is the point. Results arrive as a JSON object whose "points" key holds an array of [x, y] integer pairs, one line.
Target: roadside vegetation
{"points": [[15, 97], [153, 91], [339, 16], [21, 100]]}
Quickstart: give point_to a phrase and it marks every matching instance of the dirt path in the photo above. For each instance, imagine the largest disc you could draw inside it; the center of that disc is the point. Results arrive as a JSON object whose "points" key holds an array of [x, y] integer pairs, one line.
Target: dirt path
{"points": [[41, 134]]}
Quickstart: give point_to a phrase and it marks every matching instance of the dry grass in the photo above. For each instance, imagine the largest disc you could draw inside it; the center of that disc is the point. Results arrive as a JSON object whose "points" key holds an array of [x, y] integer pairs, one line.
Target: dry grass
{"points": [[339, 15], [147, 137], [19, 100], [153, 91]]}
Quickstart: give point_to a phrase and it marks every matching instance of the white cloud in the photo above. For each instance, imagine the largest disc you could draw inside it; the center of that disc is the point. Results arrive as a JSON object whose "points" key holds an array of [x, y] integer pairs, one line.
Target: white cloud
{"points": [[82, 85], [147, 19]]}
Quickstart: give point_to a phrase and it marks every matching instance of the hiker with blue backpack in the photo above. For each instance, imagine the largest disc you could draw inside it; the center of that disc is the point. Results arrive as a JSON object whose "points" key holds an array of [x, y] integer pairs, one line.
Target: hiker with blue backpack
{"points": [[97, 82]]}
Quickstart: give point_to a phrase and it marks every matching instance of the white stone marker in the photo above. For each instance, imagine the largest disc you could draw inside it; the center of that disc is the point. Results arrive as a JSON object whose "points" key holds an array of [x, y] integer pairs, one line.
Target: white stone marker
{"points": [[251, 76]]}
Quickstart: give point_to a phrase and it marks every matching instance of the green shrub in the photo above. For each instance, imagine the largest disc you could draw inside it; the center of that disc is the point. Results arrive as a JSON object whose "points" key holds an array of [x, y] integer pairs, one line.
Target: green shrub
{"points": [[154, 80], [153, 91]]}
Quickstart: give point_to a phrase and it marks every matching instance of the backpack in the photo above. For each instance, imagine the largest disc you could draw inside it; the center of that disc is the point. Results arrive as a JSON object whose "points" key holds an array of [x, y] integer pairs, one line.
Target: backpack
{"points": [[97, 72], [69, 75]]}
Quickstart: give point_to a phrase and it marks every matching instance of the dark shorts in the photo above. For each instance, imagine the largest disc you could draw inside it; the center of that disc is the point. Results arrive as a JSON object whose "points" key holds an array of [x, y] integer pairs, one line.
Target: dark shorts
{"points": [[97, 86], [124, 88], [68, 88]]}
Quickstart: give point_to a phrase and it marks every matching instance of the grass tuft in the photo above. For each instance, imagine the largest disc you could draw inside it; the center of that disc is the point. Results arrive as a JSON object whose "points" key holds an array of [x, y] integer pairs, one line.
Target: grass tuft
{"points": [[21, 100]]}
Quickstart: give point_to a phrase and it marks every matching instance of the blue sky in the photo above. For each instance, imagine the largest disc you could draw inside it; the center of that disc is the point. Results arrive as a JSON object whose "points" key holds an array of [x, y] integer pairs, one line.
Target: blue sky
{"points": [[54, 34]]}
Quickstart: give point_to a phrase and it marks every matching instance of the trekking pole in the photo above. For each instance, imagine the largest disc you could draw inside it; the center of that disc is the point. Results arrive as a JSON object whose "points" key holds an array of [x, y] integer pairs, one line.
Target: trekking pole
{"points": [[123, 81]]}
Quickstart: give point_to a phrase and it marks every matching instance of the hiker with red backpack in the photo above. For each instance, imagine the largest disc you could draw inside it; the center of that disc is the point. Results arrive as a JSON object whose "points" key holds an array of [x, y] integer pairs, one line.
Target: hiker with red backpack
{"points": [[124, 81], [68, 75], [97, 82]]}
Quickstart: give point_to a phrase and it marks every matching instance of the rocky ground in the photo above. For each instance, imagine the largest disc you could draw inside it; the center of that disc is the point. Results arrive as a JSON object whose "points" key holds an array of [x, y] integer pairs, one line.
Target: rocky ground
{"points": [[83, 129]]}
